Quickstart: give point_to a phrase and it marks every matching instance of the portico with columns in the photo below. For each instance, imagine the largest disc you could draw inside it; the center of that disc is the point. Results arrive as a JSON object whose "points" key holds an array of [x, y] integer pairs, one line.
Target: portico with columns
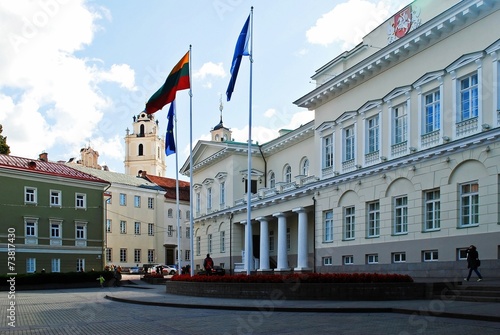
{"points": [[291, 249]]}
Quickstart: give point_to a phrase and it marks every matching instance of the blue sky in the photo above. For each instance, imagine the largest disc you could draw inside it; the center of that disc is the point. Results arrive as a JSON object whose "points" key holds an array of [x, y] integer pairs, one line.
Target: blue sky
{"points": [[74, 73]]}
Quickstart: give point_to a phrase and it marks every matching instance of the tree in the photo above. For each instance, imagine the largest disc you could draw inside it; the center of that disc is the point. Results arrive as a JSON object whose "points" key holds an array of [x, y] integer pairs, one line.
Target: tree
{"points": [[4, 148]]}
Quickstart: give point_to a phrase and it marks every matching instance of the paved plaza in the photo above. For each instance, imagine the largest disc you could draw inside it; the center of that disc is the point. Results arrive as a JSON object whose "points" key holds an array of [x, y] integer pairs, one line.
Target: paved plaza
{"points": [[147, 309]]}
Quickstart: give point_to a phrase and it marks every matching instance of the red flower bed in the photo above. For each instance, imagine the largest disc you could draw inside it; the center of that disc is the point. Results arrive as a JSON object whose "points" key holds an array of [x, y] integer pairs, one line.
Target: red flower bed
{"points": [[302, 277]]}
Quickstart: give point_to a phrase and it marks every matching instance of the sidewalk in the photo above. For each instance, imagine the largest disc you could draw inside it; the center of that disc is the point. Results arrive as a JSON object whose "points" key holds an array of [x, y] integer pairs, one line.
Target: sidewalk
{"points": [[138, 292]]}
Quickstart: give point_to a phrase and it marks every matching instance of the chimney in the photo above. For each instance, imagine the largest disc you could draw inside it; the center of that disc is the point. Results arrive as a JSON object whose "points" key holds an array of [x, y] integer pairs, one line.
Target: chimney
{"points": [[43, 157]]}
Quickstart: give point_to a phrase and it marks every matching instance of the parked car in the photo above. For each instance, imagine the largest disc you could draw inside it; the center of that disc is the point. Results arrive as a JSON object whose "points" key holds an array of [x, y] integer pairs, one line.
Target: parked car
{"points": [[165, 269], [135, 269], [168, 269], [216, 271]]}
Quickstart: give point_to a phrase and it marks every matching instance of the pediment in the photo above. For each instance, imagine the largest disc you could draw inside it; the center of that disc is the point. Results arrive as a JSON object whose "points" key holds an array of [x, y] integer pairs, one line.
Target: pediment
{"points": [[428, 77], [464, 60], [398, 91], [369, 105]]}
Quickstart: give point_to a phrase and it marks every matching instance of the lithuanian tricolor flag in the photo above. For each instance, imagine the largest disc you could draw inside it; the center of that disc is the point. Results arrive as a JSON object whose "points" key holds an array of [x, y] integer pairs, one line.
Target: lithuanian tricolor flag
{"points": [[177, 80]]}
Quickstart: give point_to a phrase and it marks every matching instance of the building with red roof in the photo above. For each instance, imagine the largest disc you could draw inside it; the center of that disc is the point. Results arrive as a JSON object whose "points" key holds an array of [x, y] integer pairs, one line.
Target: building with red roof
{"points": [[53, 215]]}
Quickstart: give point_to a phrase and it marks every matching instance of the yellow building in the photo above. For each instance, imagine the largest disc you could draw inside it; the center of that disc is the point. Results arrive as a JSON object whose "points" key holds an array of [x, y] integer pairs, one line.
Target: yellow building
{"points": [[398, 172]]}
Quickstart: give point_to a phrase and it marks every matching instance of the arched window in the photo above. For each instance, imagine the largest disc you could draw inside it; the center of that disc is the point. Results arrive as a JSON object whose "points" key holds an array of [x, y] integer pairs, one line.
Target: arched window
{"points": [[287, 173], [305, 167], [272, 180], [170, 213], [141, 150], [141, 131]]}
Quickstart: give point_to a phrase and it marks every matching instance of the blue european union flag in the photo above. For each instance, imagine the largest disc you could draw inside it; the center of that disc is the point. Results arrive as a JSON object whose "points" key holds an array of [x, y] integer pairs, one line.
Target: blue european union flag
{"points": [[240, 50]]}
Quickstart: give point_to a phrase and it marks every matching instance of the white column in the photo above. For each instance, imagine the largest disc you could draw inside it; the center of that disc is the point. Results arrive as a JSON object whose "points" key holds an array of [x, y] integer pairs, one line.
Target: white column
{"points": [[248, 259], [282, 254], [264, 244], [302, 239]]}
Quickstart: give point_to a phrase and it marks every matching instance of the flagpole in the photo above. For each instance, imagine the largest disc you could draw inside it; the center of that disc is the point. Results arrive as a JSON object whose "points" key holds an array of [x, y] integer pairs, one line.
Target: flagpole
{"points": [[191, 224], [177, 194], [248, 230]]}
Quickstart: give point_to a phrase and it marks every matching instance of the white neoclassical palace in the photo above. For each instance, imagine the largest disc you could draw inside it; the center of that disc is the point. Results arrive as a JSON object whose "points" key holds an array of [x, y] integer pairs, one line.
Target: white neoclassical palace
{"points": [[398, 171]]}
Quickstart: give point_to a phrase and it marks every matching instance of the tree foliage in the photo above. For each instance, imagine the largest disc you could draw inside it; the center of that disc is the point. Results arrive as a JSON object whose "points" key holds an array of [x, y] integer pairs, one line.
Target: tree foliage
{"points": [[4, 148]]}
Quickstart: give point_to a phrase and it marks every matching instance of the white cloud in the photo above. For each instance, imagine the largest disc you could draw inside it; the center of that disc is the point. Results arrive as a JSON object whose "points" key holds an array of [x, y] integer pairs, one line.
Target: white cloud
{"points": [[210, 69], [349, 22], [270, 112], [121, 74], [50, 96]]}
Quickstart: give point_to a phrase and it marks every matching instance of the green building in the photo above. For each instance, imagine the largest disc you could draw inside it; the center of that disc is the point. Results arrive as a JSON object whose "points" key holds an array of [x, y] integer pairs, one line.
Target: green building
{"points": [[51, 217]]}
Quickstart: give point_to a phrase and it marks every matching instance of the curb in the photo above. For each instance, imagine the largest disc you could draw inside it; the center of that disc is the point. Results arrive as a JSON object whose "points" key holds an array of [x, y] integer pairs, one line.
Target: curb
{"points": [[315, 309]]}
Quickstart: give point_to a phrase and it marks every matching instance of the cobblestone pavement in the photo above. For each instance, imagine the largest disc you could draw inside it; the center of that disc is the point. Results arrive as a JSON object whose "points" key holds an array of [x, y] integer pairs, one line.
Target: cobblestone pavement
{"points": [[86, 311]]}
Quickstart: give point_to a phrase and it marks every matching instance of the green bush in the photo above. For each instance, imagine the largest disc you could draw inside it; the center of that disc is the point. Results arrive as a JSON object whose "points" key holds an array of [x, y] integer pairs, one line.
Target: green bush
{"points": [[56, 278]]}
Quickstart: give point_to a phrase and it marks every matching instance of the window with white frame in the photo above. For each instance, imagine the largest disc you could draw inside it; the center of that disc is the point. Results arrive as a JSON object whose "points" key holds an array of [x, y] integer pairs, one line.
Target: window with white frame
{"points": [[373, 134], [80, 264], [151, 255], [327, 261], [462, 254], [30, 195], [55, 198], [432, 210], [432, 111], [198, 245], [123, 255], [55, 265], [469, 204], [188, 215], [188, 232], [327, 151], [123, 199], [430, 255], [209, 198], [137, 228], [187, 255], [209, 243], [272, 180], [30, 265], [80, 200], [81, 233], [151, 229], [223, 241], [137, 255], [170, 213], [55, 232], [137, 201], [372, 259], [271, 240], [198, 203], [328, 227], [109, 254], [398, 257], [109, 225], [123, 227], [222, 194], [349, 143], [170, 230], [469, 97], [31, 230], [349, 223], [373, 228], [399, 124], [287, 173], [348, 260], [400, 215], [305, 167], [151, 203]]}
